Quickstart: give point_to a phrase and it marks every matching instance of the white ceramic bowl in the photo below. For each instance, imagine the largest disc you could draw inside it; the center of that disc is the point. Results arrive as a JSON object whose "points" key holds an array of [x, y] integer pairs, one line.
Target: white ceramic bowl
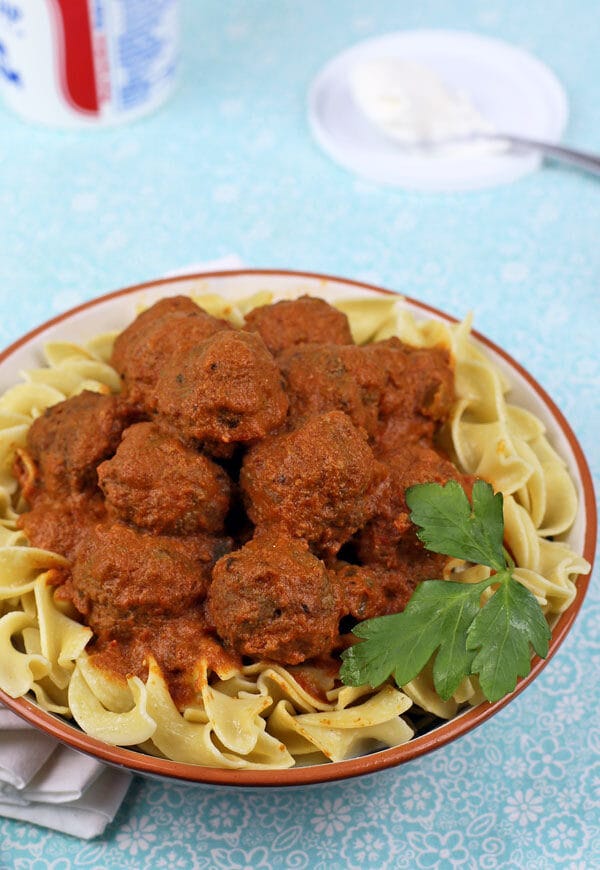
{"points": [[113, 312]]}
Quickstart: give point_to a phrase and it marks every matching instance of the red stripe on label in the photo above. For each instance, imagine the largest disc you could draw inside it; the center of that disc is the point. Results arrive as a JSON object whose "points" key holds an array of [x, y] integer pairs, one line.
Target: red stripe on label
{"points": [[78, 58]]}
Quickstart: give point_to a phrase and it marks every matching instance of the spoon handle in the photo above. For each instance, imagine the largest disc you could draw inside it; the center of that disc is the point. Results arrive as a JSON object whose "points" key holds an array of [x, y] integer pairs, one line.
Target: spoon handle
{"points": [[589, 162]]}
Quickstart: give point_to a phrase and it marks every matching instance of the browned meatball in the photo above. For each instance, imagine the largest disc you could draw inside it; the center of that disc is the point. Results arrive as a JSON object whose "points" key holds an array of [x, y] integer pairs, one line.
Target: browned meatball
{"points": [[137, 330], [227, 389], [72, 438], [123, 576], [389, 538], [146, 346], [60, 526], [369, 591], [157, 483], [273, 599], [317, 482], [326, 377], [418, 392], [395, 392], [292, 322]]}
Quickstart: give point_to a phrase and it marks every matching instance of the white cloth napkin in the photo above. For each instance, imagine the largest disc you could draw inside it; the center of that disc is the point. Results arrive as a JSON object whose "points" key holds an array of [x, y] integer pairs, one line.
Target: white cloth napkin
{"points": [[44, 782], [48, 784]]}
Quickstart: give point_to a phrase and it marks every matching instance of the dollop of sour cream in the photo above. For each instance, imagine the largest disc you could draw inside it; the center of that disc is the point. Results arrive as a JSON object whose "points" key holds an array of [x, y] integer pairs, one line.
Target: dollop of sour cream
{"points": [[409, 103]]}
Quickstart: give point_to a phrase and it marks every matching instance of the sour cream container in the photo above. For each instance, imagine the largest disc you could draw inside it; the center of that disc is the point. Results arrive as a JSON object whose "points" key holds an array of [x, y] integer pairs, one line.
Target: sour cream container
{"points": [[88, 63]]}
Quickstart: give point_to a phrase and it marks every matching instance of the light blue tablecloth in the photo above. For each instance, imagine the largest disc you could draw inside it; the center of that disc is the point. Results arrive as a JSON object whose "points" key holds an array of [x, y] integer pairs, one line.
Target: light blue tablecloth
{"points": [[229, 166]]}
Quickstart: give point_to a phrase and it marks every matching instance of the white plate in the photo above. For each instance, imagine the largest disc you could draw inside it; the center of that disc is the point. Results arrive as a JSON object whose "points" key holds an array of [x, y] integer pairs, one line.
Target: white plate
{"points": [[511, 88]]}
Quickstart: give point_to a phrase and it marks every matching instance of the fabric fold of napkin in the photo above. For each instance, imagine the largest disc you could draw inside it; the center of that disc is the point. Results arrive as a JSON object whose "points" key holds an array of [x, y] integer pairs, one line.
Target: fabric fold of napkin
{"points": [[48, 784]]}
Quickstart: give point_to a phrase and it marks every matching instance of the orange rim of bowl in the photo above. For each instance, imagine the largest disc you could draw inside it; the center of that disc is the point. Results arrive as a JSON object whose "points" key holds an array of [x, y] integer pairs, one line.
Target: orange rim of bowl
{"points": [[443, 734]]}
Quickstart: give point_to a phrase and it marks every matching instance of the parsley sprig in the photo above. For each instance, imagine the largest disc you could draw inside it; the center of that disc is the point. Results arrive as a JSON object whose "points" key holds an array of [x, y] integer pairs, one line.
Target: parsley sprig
{"points": [[445, 618]]}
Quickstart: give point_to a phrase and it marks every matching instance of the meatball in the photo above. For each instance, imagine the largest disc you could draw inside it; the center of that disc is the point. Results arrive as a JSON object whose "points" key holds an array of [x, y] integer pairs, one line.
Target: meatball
{"points": [[156, 482], [138, 330], [389, 538], [317, 482], [226, 389], [394, 392], [325, 377], [60, 526], [143, 350], [418, 392], [368, 591], [72, 438], [273, 599], [292, 322], [122, 576]]}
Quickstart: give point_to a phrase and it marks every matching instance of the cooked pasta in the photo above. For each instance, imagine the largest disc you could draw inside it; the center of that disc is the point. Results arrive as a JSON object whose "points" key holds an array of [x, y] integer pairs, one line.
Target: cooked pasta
{"points": [[261, 715]]}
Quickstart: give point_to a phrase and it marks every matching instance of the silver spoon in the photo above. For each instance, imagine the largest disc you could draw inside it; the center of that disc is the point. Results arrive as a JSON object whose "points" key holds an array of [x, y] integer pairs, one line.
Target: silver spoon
{"points": [[382, 87], [575, 157]]}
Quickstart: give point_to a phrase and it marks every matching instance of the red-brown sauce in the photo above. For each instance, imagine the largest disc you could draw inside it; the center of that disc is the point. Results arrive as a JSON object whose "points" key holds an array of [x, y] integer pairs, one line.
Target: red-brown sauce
{"points": [[242, 499]]}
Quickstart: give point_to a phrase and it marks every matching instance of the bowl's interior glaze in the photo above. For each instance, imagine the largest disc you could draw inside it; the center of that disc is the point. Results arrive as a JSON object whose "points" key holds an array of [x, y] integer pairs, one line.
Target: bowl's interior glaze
{"points": [[114, 312]]}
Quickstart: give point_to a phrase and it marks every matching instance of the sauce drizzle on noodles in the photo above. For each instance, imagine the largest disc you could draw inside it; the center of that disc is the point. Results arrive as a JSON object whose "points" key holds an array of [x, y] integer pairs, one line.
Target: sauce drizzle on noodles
{"points": [[209, 511]]}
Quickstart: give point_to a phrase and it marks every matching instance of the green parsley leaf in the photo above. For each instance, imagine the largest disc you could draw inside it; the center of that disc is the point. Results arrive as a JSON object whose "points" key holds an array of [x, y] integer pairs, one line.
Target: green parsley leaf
{"points": [[502, 633], [445, 618], [450, 526], [371, 662], [437, 617]]}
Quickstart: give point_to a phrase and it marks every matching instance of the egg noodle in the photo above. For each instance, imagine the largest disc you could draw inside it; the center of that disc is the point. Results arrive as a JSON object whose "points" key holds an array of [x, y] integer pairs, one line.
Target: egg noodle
{"points": [[261, 716]]}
